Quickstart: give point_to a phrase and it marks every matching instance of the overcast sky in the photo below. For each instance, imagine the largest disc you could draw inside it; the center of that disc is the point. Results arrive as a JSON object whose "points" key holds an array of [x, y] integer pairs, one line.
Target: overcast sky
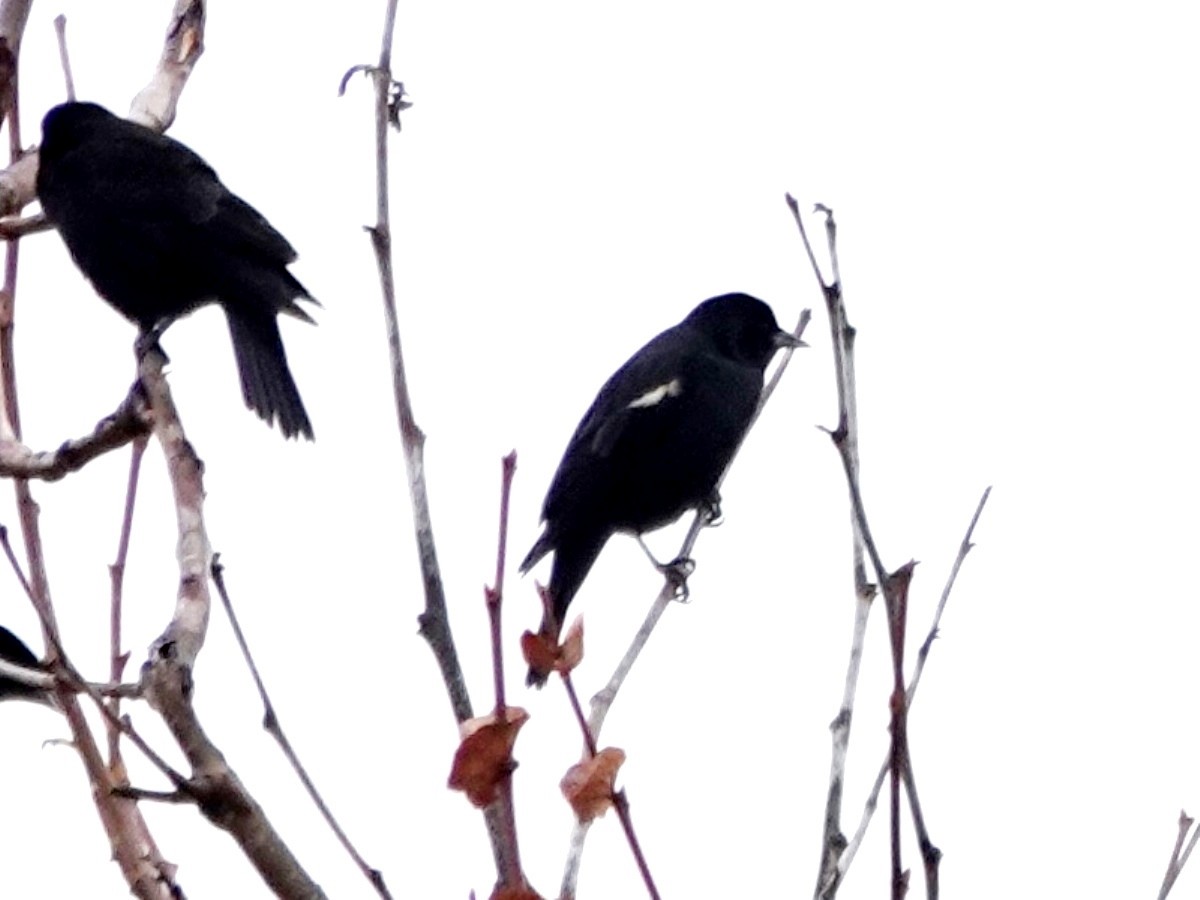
{"points": [[1017, 195]]}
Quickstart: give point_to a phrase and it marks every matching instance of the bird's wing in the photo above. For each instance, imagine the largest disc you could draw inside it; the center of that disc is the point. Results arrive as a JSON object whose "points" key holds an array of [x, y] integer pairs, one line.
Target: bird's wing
{"points": [[243, 227], [164, 182], [160, 179], [651, 378], [634, 393], [196, 192]]}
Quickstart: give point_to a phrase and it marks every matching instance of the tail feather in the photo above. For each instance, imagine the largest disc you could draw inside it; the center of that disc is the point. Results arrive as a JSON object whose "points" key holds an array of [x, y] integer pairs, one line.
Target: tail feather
{"points": [[573, 559], [539, 549], [267, 384]]}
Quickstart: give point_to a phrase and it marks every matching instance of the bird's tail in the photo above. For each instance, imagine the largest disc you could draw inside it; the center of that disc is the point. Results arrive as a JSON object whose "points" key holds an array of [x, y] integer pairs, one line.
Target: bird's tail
{"points": [[573, 559], [267, 384]]}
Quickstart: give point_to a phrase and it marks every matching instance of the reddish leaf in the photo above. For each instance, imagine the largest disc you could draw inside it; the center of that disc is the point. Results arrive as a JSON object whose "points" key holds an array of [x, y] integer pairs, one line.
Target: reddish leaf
{"points": [[544, 655], [484, 756], [539, 651], [525, 892], [570, 654], [588, 786]]}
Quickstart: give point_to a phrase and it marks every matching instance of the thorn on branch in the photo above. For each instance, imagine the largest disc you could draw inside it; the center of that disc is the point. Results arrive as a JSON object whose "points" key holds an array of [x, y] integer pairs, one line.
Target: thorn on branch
{"points": [[396, 103], [839, 434], [360, 69]]}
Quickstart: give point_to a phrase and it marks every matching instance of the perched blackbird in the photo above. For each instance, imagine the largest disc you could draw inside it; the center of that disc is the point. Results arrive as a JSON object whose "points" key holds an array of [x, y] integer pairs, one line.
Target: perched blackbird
{"points": [[14, 651], [656, 439], [159, 235]]}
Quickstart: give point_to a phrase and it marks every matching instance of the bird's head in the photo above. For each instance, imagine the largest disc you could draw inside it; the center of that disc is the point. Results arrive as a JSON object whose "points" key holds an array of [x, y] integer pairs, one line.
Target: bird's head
{"points": [[66, 124], [742, 327]]}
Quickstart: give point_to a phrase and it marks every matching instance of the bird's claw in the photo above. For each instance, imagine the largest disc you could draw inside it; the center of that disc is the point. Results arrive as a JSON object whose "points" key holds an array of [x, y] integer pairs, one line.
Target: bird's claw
{"points": [[710, 510], [677, 572], [147, 341]]}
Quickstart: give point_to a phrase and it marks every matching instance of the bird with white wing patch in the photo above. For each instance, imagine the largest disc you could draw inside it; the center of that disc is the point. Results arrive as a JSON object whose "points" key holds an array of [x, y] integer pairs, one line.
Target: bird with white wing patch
{"points": [[656, 439]]}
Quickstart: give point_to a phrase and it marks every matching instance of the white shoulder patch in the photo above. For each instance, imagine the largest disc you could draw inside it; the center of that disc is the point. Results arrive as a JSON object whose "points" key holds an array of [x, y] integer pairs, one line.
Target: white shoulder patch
{"points": [[657, 395]]}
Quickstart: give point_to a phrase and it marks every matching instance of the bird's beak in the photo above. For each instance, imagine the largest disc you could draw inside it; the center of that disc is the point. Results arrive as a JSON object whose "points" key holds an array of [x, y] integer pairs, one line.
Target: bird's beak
{"points": [[786, 339]]}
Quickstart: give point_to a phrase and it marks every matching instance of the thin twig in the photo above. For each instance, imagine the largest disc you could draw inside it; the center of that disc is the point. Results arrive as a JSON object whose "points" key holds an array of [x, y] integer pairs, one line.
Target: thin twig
{"points": [[895, 595], [503, 808], [589, 739], [64, 57], [116, 574], [842, 338], [931, 856], [621, 805], [1180, 853], [619, 800], [272, 725], [965, 546], [119, 815], [434, 621], [66, 678], [895, 592], [496, 594]]}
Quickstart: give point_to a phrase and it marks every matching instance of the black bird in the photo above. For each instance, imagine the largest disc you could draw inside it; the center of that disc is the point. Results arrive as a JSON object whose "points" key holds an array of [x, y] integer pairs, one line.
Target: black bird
{"points": [[656, 438], [158, 235], [14, 651]]}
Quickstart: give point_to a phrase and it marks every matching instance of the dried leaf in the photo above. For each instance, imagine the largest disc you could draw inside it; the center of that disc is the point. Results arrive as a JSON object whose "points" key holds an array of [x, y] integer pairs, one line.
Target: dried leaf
{"points": [[484, 756], [544, 655], [525, 892], [588, 786], [570, 654], [540, 652]]}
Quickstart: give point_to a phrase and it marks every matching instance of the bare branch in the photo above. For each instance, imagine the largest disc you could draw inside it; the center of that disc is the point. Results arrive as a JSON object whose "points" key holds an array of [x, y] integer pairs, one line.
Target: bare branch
{"points": [[851, 848], [964, 548], [511, 875], [64, 57], [166, 676], [495, 596], [1180, 853], [434, 621], [619, 800], [154, 106], [128, 423], [272, 725], [17, 227], [842, 335], [221, 797], [149, 876], [116, 576], [181, 641]]}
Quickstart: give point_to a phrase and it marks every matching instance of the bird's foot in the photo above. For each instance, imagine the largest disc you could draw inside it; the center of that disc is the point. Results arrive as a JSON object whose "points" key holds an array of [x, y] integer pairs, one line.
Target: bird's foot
{"points": [[710, 510], [147, 341], [677, 572]]}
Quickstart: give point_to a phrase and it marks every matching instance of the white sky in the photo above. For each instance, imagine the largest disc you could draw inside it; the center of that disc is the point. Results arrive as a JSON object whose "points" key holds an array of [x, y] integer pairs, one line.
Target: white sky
{"points": [[1017, 196]]}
